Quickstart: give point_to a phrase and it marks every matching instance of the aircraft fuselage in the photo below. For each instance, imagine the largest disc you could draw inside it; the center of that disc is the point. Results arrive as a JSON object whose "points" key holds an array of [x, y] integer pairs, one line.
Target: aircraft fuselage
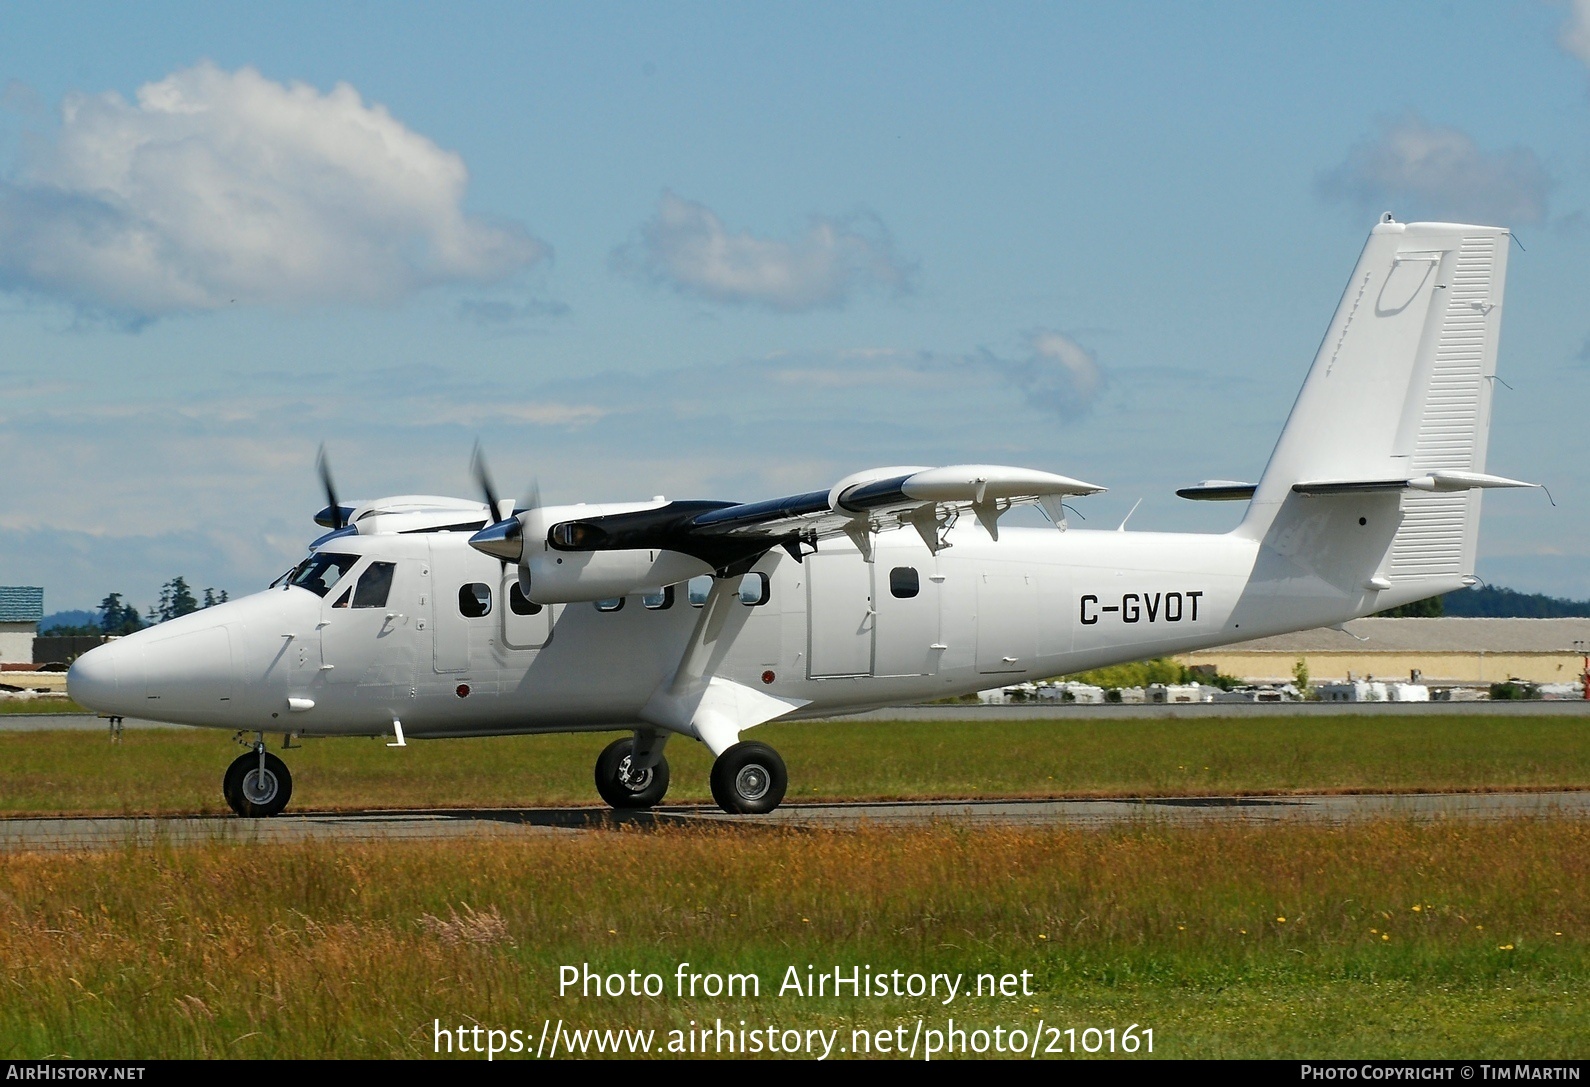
{"points": [[834, 631]]}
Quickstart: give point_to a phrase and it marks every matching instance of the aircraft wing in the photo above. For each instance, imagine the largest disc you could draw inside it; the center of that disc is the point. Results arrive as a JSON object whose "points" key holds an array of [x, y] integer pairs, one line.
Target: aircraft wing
{"points": [[885, 497], [729, 536]]}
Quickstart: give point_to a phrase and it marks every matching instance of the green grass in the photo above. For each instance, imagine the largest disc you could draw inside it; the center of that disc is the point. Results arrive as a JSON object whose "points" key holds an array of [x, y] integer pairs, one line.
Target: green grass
{"points": [[180, 770], [40, 705], [1385, 939]]}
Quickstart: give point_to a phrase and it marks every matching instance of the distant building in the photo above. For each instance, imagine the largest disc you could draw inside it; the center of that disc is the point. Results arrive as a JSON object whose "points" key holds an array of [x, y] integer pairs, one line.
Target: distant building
{"points": [[1455, 651], [1360, 690], [21, 608]]}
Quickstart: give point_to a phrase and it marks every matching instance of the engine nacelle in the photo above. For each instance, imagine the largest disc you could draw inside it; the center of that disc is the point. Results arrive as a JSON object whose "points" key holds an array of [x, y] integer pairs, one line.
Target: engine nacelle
{"points": [[549, 576]]}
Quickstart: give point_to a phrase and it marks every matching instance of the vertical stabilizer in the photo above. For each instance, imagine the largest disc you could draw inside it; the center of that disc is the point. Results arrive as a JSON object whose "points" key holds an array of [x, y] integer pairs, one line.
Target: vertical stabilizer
{"points": [[1400, 392]]}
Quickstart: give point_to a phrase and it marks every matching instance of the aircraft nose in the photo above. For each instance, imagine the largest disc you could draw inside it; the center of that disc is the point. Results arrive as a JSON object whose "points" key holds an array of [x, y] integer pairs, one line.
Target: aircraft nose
{"points": [[94, 680]]}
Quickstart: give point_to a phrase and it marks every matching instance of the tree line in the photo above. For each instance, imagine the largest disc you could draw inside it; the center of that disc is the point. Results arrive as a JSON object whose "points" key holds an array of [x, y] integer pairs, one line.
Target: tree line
{"points": [[117, 617], [1491, 602]]}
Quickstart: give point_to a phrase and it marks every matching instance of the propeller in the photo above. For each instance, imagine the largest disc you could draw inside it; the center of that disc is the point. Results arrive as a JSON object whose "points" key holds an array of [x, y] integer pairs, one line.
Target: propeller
{"points": [[477, 465], [503, 538], [333, 512]]}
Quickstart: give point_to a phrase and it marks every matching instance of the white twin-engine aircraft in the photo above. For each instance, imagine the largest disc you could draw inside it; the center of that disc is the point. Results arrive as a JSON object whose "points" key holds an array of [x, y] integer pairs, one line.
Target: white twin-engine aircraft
{"points": [[434, 617]]}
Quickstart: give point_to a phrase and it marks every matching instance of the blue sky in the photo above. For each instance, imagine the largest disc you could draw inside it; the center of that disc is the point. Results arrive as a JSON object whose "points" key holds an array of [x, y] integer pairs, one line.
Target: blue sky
{"points": [[735, 251]]}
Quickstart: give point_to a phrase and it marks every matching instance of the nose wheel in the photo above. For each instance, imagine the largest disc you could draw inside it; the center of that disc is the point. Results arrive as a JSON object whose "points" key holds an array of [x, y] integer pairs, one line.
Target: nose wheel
{"points": [[625, 785], [749, 779], [257, 785]]}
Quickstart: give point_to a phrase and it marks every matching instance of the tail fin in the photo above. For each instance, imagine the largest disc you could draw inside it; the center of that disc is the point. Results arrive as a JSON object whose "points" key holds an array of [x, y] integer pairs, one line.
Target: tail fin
{"points": [[1394, 416]]}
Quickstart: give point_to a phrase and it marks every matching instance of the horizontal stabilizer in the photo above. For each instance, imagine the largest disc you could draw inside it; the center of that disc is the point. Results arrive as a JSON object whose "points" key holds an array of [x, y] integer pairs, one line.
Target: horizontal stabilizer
{"points": [[1438, 482], [1218, 490]]}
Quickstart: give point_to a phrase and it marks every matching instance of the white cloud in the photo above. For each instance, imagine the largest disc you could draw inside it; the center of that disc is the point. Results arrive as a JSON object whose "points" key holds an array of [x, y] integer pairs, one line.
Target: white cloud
{"points": [[218, 187], [535, 413], [687, 247], [1062, 368], [1575, 34], [1417, 169], [1056, 374]]}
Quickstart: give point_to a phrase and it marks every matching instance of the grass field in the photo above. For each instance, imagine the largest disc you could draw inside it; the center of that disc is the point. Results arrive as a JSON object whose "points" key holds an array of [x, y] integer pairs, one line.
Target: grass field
{"points": [[1385, 939], [33, 706], [180, 770]]}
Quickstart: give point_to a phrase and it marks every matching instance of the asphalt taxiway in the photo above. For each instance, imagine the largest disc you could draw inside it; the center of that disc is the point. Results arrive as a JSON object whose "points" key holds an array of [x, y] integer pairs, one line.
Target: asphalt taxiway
{"points": [[112, 832]]}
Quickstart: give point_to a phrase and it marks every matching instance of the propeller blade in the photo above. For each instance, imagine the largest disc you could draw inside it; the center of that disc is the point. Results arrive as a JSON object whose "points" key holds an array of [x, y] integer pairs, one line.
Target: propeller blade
{"points": [[335, 507], [531, 500], [477, 465]]}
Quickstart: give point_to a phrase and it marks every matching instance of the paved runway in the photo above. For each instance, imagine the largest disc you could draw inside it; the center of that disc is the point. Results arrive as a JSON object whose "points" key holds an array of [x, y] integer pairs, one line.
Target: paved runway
{"points": [[27, 834]]}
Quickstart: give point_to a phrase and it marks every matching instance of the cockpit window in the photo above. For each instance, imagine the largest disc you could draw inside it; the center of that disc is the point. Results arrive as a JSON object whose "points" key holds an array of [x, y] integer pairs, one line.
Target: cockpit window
{"points": [[320, 572], [374, 585]]}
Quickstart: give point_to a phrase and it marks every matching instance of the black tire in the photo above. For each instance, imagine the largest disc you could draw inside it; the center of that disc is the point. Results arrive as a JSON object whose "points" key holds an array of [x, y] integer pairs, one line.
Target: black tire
{"points": [[749, 779], [623, 789], [253, 796], [233, 780]]}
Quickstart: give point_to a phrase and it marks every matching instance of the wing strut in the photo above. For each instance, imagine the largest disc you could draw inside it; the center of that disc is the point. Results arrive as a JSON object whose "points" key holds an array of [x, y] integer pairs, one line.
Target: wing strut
{"points": [[693, 701]]}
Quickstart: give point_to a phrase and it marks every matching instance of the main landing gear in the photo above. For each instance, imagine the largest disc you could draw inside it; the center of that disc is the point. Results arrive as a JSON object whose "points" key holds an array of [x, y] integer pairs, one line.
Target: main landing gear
{"points": [[623, 779], [257, 784], [747, 779]]}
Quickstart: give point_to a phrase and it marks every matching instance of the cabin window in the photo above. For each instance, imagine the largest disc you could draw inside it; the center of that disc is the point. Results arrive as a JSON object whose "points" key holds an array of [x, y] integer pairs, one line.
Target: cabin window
{"points": [[474, 600], [520, 604], [903, 582], [342, 601], [658, 599], [756, 588], [320, 572], [612, 603], [698, 589], [375, 585]]}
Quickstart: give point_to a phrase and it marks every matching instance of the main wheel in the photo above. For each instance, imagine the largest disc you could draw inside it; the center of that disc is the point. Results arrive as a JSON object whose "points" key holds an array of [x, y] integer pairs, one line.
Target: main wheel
{"points": [[254, 794], [624, 786], [749, 779]]}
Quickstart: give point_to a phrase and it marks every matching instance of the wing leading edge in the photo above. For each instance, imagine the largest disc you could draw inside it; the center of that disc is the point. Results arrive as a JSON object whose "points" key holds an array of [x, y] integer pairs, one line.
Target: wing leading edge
{"points": [[731, 537]]}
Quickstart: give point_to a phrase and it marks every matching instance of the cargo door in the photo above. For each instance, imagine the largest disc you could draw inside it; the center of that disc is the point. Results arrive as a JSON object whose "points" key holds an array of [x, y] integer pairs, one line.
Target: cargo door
{"points": [[1007, 621]]}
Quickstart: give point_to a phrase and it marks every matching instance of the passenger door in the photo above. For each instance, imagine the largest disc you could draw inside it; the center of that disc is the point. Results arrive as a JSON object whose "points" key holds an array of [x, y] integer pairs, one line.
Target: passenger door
{"points": [[839, 615]]}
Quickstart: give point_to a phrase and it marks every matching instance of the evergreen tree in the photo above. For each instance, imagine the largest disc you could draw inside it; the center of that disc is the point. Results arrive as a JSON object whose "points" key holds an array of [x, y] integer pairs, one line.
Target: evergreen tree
{"points": [[1431, 607], [175, 599], [116, 617]]}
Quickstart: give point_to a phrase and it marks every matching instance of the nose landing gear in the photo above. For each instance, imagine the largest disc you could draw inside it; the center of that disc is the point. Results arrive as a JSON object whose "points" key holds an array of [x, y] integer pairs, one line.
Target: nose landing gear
{"points": [[257, 784]]}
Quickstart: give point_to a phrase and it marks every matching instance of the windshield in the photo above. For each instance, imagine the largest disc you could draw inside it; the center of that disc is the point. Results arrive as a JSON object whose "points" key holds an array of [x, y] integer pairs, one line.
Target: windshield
{"points": [[319, 572]]}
